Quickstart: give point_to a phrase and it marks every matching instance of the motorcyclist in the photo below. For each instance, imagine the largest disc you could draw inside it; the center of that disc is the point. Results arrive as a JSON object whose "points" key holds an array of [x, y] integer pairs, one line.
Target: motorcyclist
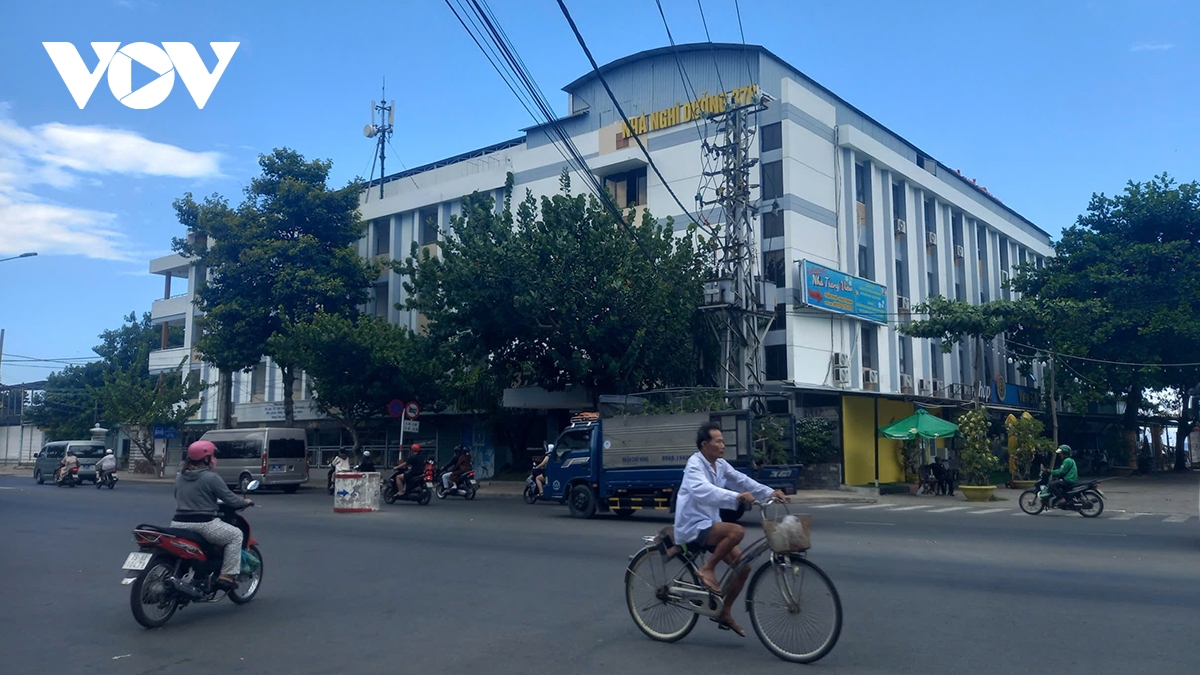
{"points": [[409, 468], [459, 466], [539, 474], [1067, 475], [197, 489], [340, 464], [367, 464], [70, 461], [105, 465]]}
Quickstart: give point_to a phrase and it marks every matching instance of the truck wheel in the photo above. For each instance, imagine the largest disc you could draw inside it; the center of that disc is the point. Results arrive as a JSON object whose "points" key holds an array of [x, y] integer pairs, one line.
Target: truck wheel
{"points": [[582, 502]]}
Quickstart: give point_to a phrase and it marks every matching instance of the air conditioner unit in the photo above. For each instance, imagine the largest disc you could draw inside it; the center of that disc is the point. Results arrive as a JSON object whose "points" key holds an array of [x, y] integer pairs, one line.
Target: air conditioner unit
{"points": [[1003, 277], [959, 252], [860, 211], [903, 303], [841, 375], [931, 238], [841, 360], [923, 386], [870, 376], [901, 226], [906, 381], [935, 386]]}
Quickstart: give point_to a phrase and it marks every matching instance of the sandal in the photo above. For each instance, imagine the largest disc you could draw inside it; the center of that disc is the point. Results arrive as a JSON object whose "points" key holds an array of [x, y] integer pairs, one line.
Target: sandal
{"points": [[725, 625], [715, 590]]}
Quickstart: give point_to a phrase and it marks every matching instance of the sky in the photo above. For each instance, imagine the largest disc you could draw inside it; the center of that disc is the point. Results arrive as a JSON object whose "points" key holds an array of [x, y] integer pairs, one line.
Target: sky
{"points": [[1042, 103]]}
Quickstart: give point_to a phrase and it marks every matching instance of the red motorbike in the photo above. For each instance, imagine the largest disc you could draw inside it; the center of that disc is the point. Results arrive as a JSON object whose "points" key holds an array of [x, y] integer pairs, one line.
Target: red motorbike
{"points": [[174, 567]]}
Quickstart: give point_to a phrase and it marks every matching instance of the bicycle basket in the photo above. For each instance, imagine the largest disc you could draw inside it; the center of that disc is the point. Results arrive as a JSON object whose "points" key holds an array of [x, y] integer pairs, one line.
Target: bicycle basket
{"points": [[788, 532]]}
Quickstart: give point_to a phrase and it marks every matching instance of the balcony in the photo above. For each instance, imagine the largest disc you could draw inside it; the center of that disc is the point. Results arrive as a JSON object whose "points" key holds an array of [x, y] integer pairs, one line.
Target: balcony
{"points": [[175, 265], [162, 360], [171, 309]]}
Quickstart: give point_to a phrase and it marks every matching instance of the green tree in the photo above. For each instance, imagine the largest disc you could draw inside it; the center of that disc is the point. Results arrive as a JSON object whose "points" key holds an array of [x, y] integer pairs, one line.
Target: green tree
{"points": [[357, 365], [976, 461], [68, 407], [955, 321], [286, 253], [814, 440], [138, 401]]}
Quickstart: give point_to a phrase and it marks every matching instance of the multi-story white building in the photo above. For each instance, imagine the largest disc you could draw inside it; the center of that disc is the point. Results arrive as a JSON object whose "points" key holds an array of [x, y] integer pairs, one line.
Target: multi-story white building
{"points": [[836, 189]]}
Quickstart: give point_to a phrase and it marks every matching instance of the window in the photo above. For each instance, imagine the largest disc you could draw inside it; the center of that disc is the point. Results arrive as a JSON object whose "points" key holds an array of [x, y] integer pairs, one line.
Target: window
{"points": [[780, 322], [773, 268], [864, 263], [981, 236], [861, 183], [776, 362], [428, 220], [772, 137], [868, 345], [258, 382], [899, 206], [579, 439], [286, 448], [383, 239], [958, 292], [902, 349], [935, 360], [956, 229], [628, 189], [930, 216], [772, 180], [931, 281], [237, 449], [901, 279], [772, 224]]}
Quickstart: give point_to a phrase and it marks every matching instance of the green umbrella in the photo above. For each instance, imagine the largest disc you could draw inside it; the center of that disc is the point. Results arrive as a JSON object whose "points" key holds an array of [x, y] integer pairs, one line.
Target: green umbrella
{"points": [[920, 424]]}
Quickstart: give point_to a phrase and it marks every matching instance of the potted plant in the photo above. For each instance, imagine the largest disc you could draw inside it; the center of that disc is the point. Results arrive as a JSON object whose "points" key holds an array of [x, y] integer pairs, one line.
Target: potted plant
{"points": [[976, 462], [1028, 434], [911, 455]]}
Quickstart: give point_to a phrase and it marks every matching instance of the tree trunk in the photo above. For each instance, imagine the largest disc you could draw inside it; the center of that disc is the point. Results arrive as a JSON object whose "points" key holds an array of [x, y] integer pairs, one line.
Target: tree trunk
{"points": [[289, 380], [224, 398], [353, 429], [1129, 425], [1181, 430]]}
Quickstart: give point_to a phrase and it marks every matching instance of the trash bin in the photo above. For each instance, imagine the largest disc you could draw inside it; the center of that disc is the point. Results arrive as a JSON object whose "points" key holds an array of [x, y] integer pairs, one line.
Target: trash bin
{"points": [[356, 492]]}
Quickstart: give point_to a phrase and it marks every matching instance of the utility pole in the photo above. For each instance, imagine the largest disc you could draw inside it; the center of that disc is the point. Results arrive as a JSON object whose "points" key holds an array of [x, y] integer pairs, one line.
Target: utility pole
{"points": [[1, 354], [382, 131], [740, 305]]}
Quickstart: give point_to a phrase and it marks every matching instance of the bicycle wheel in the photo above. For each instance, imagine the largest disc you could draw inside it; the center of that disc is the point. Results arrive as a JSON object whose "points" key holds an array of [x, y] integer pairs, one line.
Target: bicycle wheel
{"points": [[647, 580], [795, 610]]}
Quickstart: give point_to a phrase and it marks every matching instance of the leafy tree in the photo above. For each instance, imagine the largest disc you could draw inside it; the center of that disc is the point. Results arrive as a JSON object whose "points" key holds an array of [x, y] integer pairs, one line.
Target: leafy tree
{"points": [[955, 321], [68, 407], [814, 440], [138, 401], [285, 254], [1027, 430], [976, 461], [357, 365]]}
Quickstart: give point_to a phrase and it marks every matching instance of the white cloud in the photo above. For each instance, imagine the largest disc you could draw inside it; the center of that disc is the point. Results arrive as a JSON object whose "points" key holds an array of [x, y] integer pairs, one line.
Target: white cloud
{"points": [[59, 156], [1152, 47]]}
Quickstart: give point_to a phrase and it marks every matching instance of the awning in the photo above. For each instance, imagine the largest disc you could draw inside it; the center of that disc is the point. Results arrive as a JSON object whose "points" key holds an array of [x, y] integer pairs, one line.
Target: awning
{"points": [[922, 424]]}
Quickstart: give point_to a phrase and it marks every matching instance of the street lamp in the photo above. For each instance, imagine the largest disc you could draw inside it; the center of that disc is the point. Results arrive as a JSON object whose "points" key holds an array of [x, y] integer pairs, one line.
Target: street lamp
{"points": [[23, 255]]}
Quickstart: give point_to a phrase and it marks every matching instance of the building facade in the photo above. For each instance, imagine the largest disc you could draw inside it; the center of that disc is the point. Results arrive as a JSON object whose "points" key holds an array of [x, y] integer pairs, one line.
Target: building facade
{"points": [[841, 199]]}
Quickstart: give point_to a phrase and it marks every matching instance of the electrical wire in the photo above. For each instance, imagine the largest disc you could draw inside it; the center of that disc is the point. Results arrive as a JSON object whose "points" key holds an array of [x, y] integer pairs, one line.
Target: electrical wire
{"points": [[716, 66]]}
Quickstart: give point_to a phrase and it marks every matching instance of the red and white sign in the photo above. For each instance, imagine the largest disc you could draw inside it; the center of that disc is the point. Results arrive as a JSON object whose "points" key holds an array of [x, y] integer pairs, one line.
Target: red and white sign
{"points": [[412, 410]]}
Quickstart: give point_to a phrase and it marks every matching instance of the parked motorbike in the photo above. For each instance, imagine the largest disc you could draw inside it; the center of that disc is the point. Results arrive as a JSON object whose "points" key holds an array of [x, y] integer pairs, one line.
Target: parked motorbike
{"points": [[106, 478], [70, 477], [174, 567], [420, 491], [466, 486], [1084, 498]]}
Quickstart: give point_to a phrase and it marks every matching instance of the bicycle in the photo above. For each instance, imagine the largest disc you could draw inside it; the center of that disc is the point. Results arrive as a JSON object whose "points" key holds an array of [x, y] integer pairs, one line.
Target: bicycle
{"points": [[666, 597]]}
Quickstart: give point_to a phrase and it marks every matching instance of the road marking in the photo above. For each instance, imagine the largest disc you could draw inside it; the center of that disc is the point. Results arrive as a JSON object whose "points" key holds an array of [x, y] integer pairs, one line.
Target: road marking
{"points": [[1100, 534], [913, 508], [870, 506], [1176, 519], [952, 508], [864, 522], [827, 506], [1130, 516], [979, 513]]}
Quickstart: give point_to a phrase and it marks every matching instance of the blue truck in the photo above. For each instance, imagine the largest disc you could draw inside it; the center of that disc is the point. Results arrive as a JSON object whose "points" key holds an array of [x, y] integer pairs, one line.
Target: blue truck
{"points": [[625, 463]]}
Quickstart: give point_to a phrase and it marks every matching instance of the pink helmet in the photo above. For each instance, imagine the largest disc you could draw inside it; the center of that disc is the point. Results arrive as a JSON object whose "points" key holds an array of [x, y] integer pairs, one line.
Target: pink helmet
{"points": [[201, 449]]}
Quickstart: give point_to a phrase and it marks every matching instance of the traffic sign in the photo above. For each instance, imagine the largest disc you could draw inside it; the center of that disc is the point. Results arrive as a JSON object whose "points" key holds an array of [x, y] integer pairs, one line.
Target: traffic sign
{"points": [[411, 426], [412, 410], [395, 408]]}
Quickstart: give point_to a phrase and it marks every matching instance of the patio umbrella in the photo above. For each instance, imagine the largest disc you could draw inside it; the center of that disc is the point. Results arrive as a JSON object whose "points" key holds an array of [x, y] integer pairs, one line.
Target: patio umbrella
{"points": [[920, 424]]}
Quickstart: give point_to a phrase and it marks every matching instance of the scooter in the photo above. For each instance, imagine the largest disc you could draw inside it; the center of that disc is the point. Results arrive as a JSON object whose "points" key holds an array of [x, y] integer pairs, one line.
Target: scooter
{"points": [[108, 478], [1084, 498], [466, 486], [174, 567], [69, 478], [421, 492]]}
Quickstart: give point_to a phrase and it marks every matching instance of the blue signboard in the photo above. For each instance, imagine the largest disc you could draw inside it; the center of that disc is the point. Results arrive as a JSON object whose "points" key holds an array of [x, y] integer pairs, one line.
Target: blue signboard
{"points": [[1015, 394], [839, 292], [161, 431]]}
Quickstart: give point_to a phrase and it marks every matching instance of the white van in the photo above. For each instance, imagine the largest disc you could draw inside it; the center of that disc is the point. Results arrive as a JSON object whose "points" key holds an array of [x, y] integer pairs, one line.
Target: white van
{"points": [[276, 457]]}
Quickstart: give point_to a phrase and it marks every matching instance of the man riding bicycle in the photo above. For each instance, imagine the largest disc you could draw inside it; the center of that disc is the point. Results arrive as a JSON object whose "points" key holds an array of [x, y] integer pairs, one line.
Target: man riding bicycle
{"points": [[707, 480]]}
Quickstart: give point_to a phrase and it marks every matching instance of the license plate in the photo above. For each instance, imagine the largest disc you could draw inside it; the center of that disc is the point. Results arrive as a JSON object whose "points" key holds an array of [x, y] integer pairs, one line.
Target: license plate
{"points": [[137, 561], [86, 467], [277, 468], [474, 482], [429, 485]]}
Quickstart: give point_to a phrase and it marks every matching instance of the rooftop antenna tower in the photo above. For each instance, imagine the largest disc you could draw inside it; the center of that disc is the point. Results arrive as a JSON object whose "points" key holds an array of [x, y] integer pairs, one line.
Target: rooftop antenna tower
{"points": [[381, 132]]}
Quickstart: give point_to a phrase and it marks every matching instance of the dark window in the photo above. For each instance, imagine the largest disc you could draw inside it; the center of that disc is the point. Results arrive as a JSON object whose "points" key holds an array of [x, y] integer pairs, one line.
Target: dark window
{"points": [[935, 360], [258, 381], [868, 345], [88, 450], [286, 448], [628, 189], [861, 183], [899, 206], [772, 137], [780, 322], [772, 224], [579, 439], [772, 180], [958, 293], [901, 279], [902, 352], [776, 362], [383, 239], [773, 268], [932, 281], [930, 216], [428, 219], [956, 229], [864, 263], [238, 449]]}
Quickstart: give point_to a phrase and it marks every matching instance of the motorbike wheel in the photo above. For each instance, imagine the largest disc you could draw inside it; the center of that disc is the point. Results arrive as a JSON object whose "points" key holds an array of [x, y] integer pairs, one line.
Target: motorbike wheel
{"points": [[1030, 502], [441, 491], [389, 496], [248, 584], [1093, 504], [112, 483], [469, 494], [99, 484], [152, 602], [425, 497], [530, 495]]}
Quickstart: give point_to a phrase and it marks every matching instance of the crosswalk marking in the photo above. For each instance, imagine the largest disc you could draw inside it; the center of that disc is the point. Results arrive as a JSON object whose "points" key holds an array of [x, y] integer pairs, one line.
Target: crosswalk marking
{"points": [[988, 511], [1129, 516], [827, 506], [871, 506], [913, 508], [949, 509], [888, 507], [1176, 519]]}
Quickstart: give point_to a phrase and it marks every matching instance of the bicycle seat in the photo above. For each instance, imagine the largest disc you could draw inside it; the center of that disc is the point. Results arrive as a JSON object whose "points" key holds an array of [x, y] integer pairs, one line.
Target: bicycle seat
{"points": [[666, 539]]}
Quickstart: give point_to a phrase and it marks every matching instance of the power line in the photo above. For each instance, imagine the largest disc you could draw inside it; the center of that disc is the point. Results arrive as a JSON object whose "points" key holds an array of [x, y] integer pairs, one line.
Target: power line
{"points": [[737, 7], [716, 66], [1107, 362]]}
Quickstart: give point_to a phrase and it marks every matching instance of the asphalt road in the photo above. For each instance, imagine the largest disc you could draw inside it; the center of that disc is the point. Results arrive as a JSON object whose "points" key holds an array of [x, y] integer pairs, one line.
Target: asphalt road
{"points": [[496, 586]]}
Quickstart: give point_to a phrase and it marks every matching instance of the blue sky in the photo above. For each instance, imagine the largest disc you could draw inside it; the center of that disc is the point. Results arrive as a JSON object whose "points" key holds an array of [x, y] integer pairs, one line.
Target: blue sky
{"points": [[1042, 103]]}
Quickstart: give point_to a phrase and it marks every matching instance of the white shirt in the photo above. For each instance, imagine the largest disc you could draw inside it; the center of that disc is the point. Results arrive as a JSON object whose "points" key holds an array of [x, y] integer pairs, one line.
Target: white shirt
{"points": [[107, 463], [704, 493], [341, 465]]}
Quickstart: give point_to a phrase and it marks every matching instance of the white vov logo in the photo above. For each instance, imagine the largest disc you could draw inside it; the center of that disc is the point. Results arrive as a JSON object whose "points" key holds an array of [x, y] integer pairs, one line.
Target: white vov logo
{"points": [[172, 57]]}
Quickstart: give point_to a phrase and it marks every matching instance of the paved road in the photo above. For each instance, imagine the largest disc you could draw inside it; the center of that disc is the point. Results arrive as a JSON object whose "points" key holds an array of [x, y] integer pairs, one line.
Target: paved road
{"points": [[495, 586]]}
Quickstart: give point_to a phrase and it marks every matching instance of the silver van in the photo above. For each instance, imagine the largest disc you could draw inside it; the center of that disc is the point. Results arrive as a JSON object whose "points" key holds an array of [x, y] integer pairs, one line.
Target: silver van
{"points": [[276, 457], [88, 452]]}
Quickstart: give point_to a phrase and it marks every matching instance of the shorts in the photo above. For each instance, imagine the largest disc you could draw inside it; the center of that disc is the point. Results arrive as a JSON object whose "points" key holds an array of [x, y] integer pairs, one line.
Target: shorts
{"points": [[539, 472], [701, 541]]}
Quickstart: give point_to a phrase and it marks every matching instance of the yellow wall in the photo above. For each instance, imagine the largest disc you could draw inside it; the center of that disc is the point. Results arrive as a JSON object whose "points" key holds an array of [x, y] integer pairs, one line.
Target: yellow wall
{"points": [[858, 434]]}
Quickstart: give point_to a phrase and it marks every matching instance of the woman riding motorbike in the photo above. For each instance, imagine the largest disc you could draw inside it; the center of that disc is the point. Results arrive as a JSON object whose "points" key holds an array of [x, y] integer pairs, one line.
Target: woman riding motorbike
{"points": [[197, 489]]}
